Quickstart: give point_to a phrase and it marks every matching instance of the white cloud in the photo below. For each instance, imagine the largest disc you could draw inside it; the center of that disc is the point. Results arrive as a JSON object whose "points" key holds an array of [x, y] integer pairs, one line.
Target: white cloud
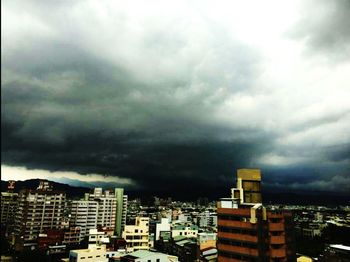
{"points": [[22, 173]]}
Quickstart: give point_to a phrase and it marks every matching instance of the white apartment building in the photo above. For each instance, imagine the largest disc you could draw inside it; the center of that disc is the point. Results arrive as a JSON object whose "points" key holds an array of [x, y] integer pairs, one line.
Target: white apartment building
{"points": [[96, 209], [164, 225], [207, 219], [137, 236], [38, 211], [107, 206], [184, 230], [84, 215]]}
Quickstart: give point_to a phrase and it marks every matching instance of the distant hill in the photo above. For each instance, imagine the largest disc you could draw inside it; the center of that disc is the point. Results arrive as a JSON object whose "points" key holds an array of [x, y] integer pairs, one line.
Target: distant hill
{"points": [[293, 198], [71, 191]]}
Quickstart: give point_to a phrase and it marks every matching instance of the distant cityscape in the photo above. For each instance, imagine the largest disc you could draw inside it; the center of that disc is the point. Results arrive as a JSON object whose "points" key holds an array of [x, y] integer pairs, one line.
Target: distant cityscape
{"points": [[44, 224]]}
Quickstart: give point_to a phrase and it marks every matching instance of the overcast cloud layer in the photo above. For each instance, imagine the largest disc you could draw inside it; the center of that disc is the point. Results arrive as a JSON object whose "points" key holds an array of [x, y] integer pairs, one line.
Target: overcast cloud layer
{"points": [[178, 94]]}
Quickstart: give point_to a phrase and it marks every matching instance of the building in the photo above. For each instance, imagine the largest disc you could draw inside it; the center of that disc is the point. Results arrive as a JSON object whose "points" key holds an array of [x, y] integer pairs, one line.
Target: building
{"points": [[164, 225], [38, 211], [248, 189], [84, 215], [206, 243], [137, 236], [50, 238], [91, 254], [183, 247], [99, 209], [106, 208], [208, 254], [186, 230], [148, 256], [9, 206], [71, 236], [247, 231], [337, 252], [207, 219], [206, 239], [120, 218]]}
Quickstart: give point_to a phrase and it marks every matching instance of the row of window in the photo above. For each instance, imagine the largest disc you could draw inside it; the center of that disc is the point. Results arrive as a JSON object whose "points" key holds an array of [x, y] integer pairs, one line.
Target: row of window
{"points": [[237, 256], [237, 231], [232, 217], [236, 243]]}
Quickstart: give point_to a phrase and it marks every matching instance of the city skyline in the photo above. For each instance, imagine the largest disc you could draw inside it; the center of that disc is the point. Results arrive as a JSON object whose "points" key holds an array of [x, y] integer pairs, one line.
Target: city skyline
{"points": [[176, 95]]}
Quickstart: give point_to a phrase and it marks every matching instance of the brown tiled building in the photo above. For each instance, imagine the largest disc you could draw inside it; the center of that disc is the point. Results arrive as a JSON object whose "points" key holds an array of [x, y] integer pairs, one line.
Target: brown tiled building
{"points": [[246, 231], [38, 211]]}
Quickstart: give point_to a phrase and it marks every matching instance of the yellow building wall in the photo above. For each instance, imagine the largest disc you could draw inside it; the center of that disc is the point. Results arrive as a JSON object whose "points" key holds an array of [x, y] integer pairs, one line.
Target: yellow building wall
{"points": [[249, 174]]}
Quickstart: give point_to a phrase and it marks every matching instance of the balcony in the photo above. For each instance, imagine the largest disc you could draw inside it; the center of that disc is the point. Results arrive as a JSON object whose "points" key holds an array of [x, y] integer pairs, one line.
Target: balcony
{"points": [[277, 240], [277, 253], [275, 215], [239, 250], [236, 224], [276, 227], [234, 211], [226, 259], [241, 237]]}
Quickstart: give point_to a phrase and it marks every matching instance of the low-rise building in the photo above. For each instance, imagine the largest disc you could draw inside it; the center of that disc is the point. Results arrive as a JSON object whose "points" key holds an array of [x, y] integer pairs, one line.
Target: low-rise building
{"points": [[91, 254], [164, 225], [186, 230], [137, 236]]}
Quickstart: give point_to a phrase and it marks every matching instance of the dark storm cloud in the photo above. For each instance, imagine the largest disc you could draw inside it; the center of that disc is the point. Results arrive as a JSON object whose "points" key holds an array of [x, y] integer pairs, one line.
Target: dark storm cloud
{"points": [[168, 101]]}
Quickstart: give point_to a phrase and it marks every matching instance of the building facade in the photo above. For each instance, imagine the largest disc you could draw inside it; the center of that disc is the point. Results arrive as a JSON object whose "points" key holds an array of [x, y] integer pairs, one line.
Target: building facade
{"points": [[247, 231], [99, 209], [120, 217], [84, 215], [137, 236], [38, 211], [9, 206]]}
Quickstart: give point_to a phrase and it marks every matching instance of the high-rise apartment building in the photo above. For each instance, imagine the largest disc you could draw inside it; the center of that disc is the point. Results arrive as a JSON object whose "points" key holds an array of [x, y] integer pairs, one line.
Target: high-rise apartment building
{"points": [[100, 208], [247, 231], [120, 218], [38, 210], [84, 215], [9, 206], [106, 206], [96, 209]]}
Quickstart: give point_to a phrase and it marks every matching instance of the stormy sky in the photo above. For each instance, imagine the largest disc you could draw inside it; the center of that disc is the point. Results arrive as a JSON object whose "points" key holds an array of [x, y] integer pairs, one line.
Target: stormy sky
{"points": [[176, 95]]}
